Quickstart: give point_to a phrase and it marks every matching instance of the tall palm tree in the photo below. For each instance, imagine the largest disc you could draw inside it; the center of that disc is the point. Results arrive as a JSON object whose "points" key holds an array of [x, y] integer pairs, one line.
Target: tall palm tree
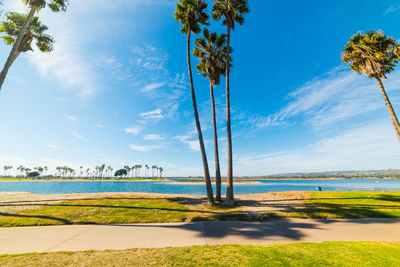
{"points": [[11, 27], [35, 5], [375, 55], [210, 51], [233, 12], [192, 14], [110, 170]]}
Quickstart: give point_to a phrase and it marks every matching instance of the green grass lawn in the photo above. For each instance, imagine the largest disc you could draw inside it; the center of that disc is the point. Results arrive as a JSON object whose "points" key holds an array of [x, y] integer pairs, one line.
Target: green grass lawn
{"points": [[159, 210], [105, 211], [301, 254], [352, 205]]}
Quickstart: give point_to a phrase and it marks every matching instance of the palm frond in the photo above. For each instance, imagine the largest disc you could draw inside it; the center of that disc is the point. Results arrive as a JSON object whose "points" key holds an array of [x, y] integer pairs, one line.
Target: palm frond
{"points": [[373, 54]]}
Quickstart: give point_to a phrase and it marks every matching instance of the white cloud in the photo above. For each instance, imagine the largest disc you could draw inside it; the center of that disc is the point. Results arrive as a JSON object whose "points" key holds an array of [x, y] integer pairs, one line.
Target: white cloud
{"points": [[373, 146], [192, 144], [338, 96], [12, 160], [151, 87], [53, 146], [153, 137], [391, 9], [80, 137], [71, 118], [152, 115], [144, 148], [135, 130]]}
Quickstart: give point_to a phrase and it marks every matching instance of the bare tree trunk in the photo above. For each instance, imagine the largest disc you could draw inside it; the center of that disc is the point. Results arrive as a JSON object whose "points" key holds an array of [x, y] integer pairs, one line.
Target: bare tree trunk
{"points": [[217, 167], [229, 190], [392, 114], [210, 195], [16, 46]]}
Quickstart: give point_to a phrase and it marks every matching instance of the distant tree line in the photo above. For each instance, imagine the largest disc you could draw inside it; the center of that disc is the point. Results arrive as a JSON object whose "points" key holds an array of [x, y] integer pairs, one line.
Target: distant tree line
{"points": [[97, 172]]}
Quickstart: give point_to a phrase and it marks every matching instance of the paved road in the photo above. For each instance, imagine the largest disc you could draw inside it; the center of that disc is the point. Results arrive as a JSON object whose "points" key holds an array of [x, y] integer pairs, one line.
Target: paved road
{"points": [[101, 237]]}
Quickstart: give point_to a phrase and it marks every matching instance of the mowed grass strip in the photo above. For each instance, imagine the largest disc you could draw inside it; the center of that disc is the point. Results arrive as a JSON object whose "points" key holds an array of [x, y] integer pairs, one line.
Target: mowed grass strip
{"points": [[113, 211], [318, 205], [340, 205], [299, 254]]}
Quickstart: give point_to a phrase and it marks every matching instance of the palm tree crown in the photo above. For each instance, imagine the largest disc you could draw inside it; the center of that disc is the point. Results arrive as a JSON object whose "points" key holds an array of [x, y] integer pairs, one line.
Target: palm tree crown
{"points": [[373, 54], [231, 10], [211, 52], [192, 14], [54, 5], [11, 27]]}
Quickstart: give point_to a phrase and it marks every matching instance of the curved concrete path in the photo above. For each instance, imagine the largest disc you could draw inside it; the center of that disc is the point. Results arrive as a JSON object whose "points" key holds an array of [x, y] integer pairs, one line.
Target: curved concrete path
{"points": [[101, 237]]}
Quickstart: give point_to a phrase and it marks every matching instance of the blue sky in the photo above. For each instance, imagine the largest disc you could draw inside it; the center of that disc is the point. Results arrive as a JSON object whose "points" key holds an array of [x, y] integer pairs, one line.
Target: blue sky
{"points": [[115, 91]]}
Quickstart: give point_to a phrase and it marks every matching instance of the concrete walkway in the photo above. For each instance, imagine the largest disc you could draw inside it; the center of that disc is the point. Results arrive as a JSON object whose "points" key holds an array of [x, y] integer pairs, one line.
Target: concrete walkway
{"points": [[101, 237]]}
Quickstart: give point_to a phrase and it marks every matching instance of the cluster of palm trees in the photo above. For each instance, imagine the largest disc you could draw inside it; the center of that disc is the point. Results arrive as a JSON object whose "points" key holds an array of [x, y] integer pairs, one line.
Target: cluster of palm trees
{"points": [[375, 55], [98, 172], [214, 53], [135, 170], [28, 172], [20, 30]]}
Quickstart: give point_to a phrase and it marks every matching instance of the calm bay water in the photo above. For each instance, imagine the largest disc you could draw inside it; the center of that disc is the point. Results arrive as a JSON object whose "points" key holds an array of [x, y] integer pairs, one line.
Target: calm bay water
{"points": [[46, 188]]}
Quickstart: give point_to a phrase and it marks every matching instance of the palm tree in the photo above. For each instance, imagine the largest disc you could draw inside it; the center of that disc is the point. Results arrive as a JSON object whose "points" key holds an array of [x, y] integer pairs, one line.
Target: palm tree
{"points": [[232, 11], [11, 27], [6, 168], [35, 5], [211, 53], [192, 14], [128, 169], [139, 168], [110, 169], [375, 55]]}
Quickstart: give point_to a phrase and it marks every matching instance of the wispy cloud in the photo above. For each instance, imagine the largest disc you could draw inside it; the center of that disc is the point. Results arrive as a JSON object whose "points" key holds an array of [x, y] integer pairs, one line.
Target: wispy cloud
{"points": [[151, 87], [134, 130], [71, 118], [152, 115], [369, 147], [144, 148], [153, 137], [54, 146], [191, 144], [391, 9], [78, 136], [338, 96]]}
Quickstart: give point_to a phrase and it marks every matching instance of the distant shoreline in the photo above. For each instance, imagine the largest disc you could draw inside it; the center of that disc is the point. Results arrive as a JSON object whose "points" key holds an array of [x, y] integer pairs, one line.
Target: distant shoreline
{"points": [[193, 180]]}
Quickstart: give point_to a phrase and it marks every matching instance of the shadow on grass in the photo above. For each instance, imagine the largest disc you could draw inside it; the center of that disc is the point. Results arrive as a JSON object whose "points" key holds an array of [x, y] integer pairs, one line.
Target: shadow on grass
{"points": [[315, 208], [62, 220]]}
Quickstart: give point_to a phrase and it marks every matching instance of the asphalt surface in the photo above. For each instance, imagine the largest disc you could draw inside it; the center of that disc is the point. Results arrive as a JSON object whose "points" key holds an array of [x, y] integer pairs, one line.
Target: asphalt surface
{"points": [[101, 237]]}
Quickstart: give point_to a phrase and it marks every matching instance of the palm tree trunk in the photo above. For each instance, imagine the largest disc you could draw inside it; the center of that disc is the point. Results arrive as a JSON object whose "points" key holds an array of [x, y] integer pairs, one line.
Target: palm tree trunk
{"points": [[15, 48], [392, 114], [229, 189], [210, 196], [217, 168]]}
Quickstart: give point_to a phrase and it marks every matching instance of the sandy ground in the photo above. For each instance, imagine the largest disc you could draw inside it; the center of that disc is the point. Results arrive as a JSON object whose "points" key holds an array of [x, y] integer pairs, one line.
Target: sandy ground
{"points": [[252, 203]]}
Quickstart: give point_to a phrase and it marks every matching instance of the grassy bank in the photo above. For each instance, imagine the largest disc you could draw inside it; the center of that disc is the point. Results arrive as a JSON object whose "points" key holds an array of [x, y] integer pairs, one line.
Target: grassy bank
{"points": [[340, 205], [145, 209], [300, 254]]}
